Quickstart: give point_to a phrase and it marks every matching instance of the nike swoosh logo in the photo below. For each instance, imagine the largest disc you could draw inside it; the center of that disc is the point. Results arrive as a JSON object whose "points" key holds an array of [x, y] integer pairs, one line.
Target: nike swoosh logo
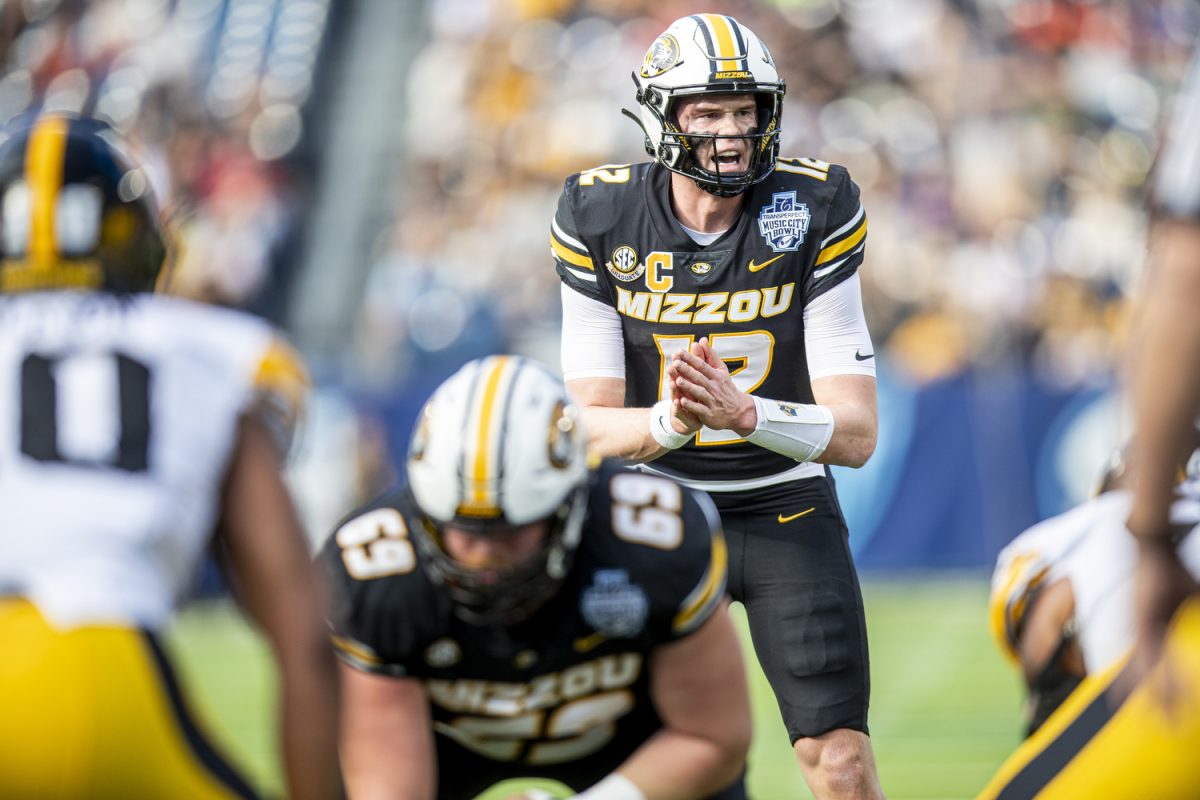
{"points": [[586, 643], [783, 519], [858, 356], [755, 267]]}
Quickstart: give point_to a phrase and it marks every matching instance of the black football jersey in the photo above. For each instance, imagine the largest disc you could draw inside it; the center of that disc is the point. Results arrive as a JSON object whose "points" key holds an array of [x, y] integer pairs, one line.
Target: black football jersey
{"points": [[801, 232], [572, 681]]}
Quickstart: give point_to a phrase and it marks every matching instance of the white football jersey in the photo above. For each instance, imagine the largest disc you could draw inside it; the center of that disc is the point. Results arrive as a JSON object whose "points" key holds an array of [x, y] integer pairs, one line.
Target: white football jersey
{"points": [[1175, 190], [119, 415], [1090, 546]]}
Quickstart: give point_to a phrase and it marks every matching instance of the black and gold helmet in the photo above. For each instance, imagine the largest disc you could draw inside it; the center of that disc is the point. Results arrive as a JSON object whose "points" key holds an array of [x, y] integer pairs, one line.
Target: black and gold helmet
{"points": [[76, 211]]}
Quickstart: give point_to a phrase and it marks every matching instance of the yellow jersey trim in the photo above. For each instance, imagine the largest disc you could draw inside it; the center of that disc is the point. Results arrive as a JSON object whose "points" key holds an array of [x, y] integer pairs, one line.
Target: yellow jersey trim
{"points": [[570, 256], [849, 243], [709, 591]]}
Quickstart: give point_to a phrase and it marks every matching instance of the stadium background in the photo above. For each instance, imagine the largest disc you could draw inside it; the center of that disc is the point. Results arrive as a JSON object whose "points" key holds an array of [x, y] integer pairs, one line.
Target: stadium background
{"points": [[378, 177]]}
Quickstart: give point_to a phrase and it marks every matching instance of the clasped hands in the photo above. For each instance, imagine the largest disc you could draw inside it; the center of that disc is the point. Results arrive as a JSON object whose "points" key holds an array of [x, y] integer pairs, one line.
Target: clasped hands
{"points": [[703, 393]]}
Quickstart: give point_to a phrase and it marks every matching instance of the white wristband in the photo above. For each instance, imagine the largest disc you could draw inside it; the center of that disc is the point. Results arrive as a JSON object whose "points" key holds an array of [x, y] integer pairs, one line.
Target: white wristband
{"points": [[797, 430], [661, 429], [614, 787]]}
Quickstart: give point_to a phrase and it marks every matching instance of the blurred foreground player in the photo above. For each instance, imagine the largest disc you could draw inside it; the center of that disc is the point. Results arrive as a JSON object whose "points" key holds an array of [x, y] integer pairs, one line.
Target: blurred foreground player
{"points": [[1165, 367], [133, 425], [1133, 731], [1062, 593], [508, 612]]}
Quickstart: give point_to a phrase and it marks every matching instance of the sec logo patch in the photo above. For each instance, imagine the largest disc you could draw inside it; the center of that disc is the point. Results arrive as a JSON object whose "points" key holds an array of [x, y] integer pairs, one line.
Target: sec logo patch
{"points": [[624, 264]]}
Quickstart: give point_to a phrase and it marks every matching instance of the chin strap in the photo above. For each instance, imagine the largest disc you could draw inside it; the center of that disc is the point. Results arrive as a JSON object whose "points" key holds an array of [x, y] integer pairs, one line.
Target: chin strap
{"points": [[719, 190]]}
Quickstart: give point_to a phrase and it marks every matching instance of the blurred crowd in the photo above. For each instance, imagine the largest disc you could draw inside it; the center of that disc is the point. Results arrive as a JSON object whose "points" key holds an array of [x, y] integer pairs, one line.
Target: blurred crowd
{"points": [[213, 93], [1001, 147]]}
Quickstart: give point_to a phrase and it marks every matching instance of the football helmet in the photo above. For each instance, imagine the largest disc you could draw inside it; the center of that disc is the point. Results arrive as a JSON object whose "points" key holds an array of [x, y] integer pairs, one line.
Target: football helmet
{"points": [[716, 55], [499, 445], [76, 212]]}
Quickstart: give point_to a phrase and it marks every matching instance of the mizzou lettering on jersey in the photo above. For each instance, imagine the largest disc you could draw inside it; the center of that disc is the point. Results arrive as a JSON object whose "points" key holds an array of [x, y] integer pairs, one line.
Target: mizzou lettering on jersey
{"points": [[714, 308], [570, 682], [492, 698], [801, 232]]}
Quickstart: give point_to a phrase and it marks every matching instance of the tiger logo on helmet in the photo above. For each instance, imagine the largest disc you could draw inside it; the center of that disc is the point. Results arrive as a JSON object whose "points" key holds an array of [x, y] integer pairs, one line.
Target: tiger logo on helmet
{"points": [[708, 54]]}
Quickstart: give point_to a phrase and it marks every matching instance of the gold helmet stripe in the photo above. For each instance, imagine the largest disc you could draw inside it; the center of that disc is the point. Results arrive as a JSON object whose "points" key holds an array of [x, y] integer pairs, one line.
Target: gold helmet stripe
{"points": [[480, 499], [44, 172], [723, 36]]}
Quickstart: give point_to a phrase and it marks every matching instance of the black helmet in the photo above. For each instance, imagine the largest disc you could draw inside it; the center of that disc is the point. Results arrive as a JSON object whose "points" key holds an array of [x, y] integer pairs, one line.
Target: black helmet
{"points": [[76, 212]]}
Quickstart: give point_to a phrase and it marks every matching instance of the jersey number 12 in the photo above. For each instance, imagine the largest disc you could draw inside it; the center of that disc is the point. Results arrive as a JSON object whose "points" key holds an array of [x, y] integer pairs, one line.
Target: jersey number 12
{"points": [[748, 356]]}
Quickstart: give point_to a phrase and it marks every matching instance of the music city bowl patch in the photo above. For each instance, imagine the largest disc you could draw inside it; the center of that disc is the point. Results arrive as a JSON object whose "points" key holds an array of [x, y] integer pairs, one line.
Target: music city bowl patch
{"points": [[784, 223], [624, 264], [614, 606]]}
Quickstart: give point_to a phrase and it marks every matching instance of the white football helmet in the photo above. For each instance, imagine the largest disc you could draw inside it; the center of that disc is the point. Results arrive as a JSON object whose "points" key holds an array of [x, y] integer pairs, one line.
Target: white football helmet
{"points": [[708, 54], [499, 445]]}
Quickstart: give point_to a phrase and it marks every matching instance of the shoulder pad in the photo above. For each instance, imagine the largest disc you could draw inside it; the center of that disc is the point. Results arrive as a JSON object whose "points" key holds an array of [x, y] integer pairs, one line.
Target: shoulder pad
{"points": [[812, 168], [599, 197], [667, 536], [377, 580], [281, 385]]}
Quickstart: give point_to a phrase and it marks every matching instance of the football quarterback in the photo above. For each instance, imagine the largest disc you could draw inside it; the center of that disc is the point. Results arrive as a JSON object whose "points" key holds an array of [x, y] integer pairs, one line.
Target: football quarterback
{"points": [[133, 425], [509, 611], [713, 330]]}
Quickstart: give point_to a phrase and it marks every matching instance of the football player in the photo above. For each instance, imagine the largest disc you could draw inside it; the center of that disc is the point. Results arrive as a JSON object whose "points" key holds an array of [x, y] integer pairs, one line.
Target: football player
{"points": [[1062, 601], [1166, 368], [713, 329], [1132, 730], [508, 611], [133, 425]]}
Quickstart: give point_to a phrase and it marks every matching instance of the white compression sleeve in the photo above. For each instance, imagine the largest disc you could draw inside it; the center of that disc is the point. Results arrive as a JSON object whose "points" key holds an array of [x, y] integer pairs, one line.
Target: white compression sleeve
{"points": [[836, 338], [592, 343]]}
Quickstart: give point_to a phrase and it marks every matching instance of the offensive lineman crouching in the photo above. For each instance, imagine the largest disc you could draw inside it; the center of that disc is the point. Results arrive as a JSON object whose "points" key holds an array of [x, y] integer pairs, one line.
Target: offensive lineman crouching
{"points": [[508, 612]]}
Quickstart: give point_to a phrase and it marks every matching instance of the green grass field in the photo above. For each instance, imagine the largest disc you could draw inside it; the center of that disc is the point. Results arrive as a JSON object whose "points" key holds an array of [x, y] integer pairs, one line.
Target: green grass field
{"points": [[945, 708]]}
